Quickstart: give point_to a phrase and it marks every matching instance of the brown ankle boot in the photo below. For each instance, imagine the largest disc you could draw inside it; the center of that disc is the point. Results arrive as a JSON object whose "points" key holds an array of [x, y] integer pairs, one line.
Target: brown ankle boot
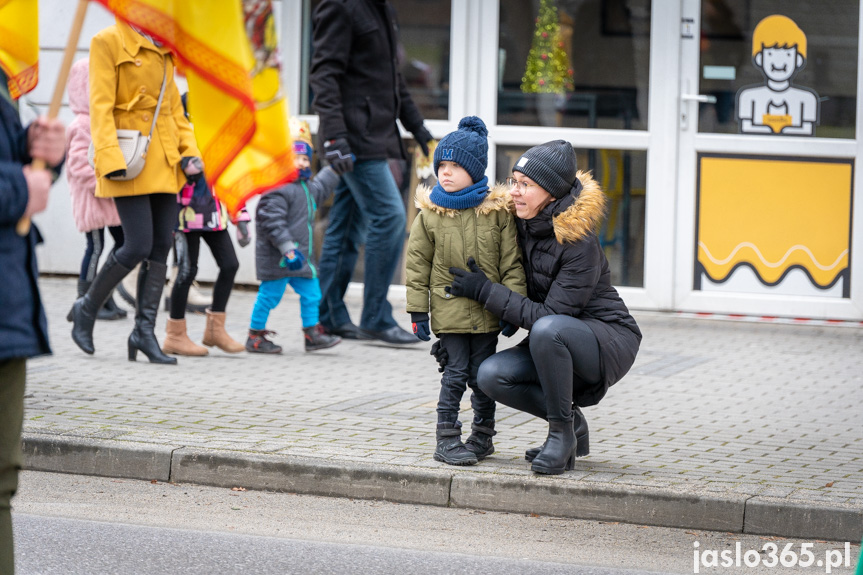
{"points": [[215, 334], [178, 343]]}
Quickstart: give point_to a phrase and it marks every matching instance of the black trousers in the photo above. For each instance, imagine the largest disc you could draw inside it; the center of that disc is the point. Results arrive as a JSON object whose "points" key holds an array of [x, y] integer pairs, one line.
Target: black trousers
{"points": [[542, 378], [226, 258], [95, 245], [467, 351], [147, 225]]}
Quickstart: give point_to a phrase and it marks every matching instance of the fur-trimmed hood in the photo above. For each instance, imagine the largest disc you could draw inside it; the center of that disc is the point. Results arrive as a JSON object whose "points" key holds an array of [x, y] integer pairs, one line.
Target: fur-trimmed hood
{"points": [[584, 215], [498, 198]]}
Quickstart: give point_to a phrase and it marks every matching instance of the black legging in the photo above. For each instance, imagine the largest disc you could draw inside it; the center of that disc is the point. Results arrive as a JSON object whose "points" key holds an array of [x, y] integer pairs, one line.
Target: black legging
{"points": [[226, 258], [95, 245], [147, 224], [563, 357]]}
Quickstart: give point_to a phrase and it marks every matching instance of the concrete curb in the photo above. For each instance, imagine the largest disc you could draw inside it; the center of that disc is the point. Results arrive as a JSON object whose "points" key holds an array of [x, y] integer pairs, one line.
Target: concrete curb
{"points": [[495, 492]]}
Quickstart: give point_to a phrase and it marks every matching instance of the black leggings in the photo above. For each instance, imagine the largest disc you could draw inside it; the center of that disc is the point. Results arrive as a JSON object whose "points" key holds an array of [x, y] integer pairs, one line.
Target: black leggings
{"points": [[563, 357], [95, 245], [147, 224], [226, 258]]}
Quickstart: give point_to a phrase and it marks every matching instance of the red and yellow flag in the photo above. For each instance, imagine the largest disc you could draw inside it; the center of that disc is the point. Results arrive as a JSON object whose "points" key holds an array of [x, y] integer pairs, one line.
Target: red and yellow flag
{"points": [[229, 53], [19, 44]]}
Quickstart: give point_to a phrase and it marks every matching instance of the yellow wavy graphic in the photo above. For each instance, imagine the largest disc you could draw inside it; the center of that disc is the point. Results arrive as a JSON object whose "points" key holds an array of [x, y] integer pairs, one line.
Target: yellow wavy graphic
{"points": [[771, 272]]}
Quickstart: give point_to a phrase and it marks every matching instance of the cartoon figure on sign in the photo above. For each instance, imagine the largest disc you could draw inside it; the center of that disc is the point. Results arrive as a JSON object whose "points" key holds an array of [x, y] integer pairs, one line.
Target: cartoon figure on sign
{"points": [[777, 107]]}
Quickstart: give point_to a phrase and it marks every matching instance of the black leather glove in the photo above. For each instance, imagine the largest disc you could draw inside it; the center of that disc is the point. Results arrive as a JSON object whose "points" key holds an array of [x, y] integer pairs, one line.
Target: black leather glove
{"points": [[423, 137], [473, 284], [244, 236], [116, 174], [420, 323], [507, 329], [440, 354], [338, 153]]}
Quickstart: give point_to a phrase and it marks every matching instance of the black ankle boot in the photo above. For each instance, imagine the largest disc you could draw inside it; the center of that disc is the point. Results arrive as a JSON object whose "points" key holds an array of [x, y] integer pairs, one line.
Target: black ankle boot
{"points": [[449, 448], [316, 338], [558, 455], [151, 283], [582, 436], [83, 313], [479, 443]]}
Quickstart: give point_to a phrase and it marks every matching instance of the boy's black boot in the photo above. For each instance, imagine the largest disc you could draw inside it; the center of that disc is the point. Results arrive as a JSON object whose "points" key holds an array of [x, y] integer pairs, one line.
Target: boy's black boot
{"points": [[582, 437], [449, 448], [479, 443], [151, 283], [257, 342], [85, 308], [558, 455], [316, 338]]}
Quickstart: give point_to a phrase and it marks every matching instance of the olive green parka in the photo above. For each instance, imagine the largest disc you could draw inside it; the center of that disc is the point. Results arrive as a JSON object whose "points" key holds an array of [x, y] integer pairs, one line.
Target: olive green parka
{"points": [[442, 238]]}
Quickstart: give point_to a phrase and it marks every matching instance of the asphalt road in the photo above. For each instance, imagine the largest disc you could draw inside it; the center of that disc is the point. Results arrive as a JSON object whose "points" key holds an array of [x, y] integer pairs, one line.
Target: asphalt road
{"points": [[68, 524]]}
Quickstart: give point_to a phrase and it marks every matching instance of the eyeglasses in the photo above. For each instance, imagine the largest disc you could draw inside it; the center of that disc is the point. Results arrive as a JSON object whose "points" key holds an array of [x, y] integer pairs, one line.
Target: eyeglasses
{"points": [[522, 186]]}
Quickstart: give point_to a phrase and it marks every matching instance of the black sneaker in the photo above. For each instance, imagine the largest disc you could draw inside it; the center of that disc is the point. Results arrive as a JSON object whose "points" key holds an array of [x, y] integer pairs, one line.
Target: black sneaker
{"points": [[258, 342]]}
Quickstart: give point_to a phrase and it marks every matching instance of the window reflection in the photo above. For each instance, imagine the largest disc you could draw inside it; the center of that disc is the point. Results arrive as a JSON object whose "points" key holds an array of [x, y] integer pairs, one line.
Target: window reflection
{"points": [[622, 175], [574, 63]]}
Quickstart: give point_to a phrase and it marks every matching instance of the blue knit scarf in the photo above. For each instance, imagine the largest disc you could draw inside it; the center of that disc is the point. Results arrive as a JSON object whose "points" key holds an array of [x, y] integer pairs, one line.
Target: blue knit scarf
{"points": [[469, 197]]}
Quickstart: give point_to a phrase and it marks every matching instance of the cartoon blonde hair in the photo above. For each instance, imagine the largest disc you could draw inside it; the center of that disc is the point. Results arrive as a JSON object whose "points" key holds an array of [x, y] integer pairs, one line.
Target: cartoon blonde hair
{"points": [[778, 32]]}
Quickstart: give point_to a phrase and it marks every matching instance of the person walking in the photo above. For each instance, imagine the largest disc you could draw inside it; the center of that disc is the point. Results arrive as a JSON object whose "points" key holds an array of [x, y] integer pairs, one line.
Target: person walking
{"points": [[91, 214], [131, 81], [23, 326], [458, 217], [582, 338], [203, 217], [359, 95]]}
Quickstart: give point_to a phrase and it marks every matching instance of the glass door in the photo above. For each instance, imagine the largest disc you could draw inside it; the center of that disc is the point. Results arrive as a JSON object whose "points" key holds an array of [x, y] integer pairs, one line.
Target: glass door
{"points": [[769, 134]]}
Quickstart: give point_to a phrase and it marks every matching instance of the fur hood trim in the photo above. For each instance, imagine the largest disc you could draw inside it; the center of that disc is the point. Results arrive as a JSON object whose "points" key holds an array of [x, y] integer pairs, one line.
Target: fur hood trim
{"points": [[585, 215], [498, 198]]}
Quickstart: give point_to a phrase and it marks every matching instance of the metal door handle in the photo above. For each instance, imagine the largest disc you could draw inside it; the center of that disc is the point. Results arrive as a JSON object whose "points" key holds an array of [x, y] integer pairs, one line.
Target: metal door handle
{"points": [[703, 98]]}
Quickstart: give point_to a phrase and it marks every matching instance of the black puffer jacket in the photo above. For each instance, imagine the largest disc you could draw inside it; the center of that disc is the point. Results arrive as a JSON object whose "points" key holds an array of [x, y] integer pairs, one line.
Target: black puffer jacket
{"points": [[567, 274], [359, 91]]}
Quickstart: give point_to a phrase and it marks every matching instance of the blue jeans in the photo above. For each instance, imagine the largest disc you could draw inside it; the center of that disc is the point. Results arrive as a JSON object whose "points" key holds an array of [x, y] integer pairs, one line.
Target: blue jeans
{"points": [[367, 207], [270, 293]]}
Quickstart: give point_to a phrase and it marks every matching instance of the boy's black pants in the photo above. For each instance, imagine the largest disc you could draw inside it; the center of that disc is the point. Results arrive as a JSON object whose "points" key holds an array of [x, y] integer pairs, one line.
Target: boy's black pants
{"points": [[466, 352]]}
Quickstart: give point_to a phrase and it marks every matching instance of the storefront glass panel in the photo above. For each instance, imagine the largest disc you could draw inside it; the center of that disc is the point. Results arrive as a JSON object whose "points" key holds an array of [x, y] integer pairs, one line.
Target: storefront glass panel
{"points": [[574, 63], [622, 176], [820, 83], [423, 55]]}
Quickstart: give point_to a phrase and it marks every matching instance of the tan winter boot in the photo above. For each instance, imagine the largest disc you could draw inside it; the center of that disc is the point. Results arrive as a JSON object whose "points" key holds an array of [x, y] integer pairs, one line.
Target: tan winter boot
{"points": [[215, 334], [178, 343]]}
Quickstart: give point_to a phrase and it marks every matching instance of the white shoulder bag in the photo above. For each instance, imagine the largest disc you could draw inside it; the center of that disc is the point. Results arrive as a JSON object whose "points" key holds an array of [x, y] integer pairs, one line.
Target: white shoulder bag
{"points": [[132, 143]]}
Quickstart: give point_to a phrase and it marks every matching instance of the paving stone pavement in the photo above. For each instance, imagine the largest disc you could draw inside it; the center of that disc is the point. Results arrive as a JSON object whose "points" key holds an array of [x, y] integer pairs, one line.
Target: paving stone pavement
{"points": [[711, 408]]}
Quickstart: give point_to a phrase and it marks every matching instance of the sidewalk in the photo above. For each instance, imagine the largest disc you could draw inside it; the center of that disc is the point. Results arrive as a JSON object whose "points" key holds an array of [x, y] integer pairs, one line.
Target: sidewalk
{"points": [[740, 427]]}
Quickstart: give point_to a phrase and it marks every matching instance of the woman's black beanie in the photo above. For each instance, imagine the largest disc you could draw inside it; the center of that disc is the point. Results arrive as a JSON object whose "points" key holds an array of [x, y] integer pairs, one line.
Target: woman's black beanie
{"points": [[552, 165]]}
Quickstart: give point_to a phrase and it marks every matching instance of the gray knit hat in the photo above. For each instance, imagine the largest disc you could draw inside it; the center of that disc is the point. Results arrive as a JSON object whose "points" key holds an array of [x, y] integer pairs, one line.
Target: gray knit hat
{"points": [[552, 165], [467, 146]]}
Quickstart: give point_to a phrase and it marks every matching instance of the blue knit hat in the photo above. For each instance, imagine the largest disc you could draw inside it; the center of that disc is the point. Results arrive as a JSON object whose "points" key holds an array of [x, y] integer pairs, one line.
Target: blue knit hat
{"points": [[467, 146]]}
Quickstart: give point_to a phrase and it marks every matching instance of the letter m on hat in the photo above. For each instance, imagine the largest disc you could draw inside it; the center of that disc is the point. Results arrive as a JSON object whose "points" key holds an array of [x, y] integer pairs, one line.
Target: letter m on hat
{"points": [[446, 155]]}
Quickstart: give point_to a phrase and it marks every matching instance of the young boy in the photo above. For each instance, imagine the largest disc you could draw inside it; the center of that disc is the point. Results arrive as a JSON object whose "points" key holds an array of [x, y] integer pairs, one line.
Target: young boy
{"points": [[283, 250], [461, 220]]}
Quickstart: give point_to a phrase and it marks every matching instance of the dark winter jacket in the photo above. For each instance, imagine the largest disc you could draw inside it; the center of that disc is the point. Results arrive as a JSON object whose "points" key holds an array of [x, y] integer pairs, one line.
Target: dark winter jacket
{"points": [[567, 274], [285, 220], [358, 89], [23, 327], [442, 238]]}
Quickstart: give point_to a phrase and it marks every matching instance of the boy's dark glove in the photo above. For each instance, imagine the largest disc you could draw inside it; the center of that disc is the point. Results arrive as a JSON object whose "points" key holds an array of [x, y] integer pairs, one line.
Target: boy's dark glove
{"points": [[440, 354], [338, 153], [507, 329], [244, 236], [423, 137], [420, 323], [473, 284], [293, 260]]}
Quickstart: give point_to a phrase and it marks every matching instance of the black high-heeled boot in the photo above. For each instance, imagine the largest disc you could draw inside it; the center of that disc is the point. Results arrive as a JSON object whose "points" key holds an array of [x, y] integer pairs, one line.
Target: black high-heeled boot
{"points": [[151, 283], [582, 437], [85, 308], [558, 455]]}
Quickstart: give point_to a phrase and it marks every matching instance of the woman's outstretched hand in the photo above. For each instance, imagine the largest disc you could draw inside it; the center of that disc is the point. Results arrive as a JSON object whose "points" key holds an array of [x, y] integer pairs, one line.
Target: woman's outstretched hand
{"points": [[474, 284]]}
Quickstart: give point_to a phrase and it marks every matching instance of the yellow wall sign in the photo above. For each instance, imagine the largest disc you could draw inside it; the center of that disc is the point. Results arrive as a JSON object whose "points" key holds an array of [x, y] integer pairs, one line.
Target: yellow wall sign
{"points": [[774, 215]]}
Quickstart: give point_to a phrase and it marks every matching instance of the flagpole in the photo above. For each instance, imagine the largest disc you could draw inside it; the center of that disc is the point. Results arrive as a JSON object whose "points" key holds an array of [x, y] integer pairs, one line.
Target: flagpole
{"points": [[23, 226]]}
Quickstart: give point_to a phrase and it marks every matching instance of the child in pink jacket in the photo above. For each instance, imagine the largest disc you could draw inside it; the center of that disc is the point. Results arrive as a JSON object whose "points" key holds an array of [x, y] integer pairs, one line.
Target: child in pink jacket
{"points": [[92, 215]]}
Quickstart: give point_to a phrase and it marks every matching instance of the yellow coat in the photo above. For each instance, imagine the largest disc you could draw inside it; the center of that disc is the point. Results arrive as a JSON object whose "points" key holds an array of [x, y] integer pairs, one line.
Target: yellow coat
{"points": [[125, 78]]}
